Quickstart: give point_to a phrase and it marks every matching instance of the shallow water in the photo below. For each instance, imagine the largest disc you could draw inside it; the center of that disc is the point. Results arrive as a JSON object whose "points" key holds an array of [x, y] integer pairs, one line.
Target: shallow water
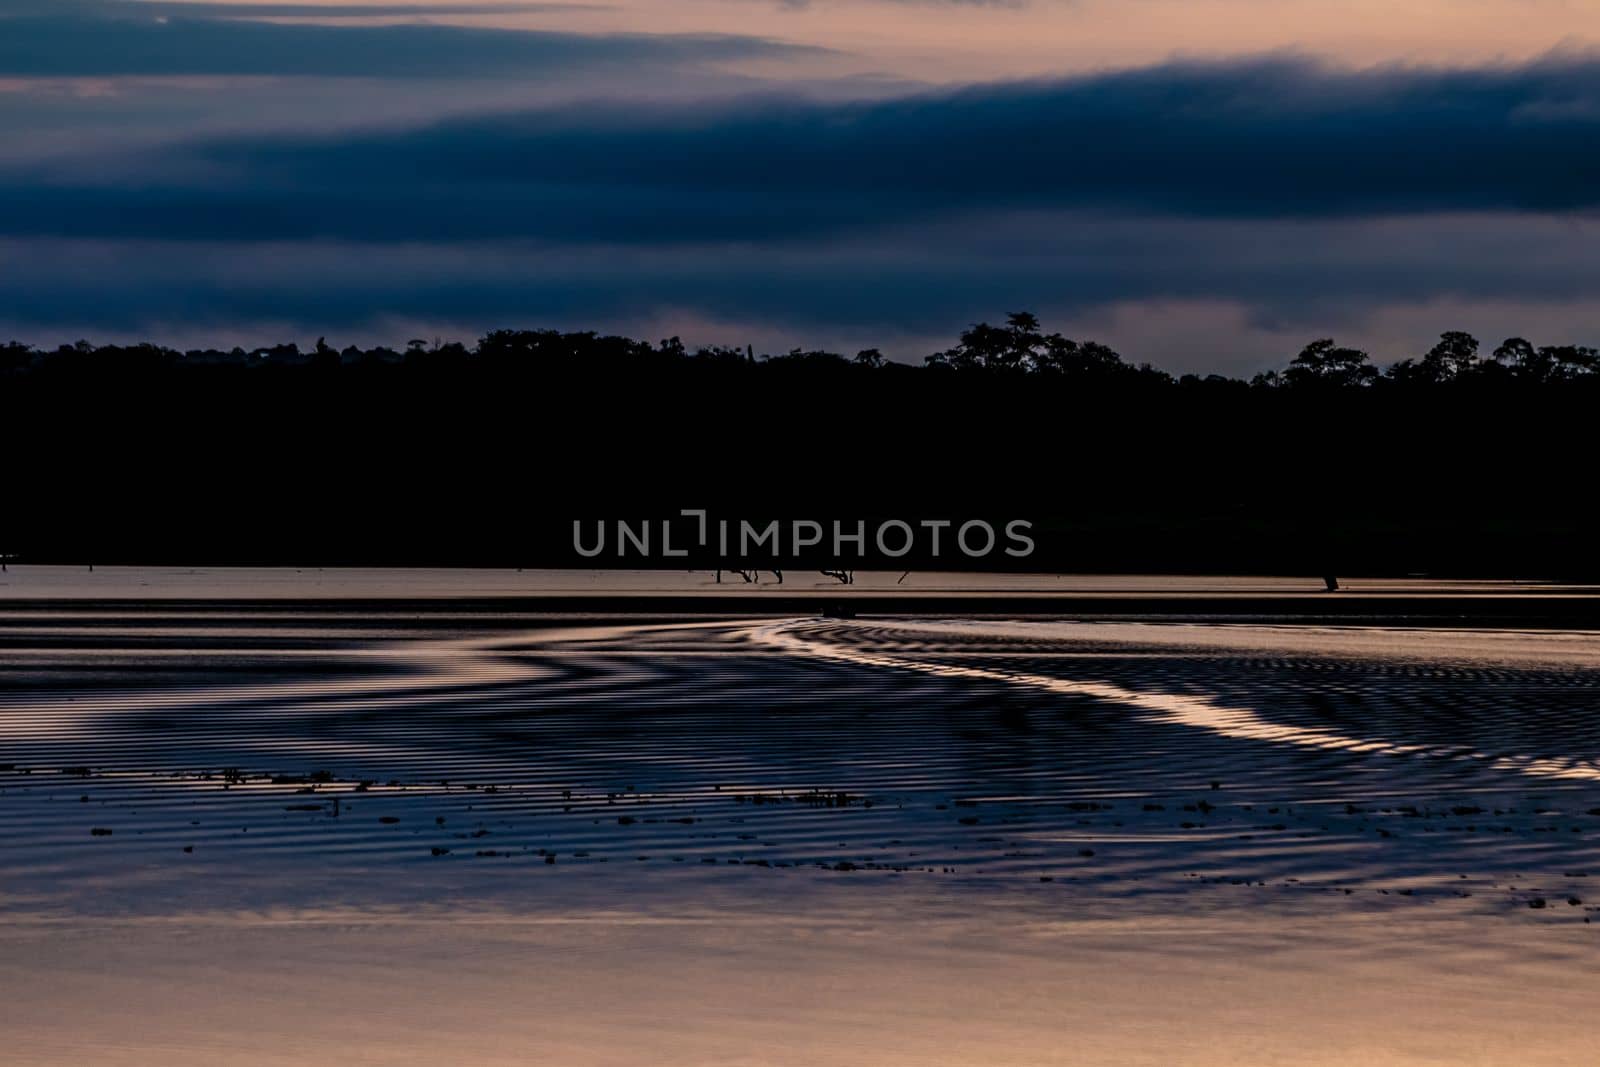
{"points": [[56, 582], [888, 799]]}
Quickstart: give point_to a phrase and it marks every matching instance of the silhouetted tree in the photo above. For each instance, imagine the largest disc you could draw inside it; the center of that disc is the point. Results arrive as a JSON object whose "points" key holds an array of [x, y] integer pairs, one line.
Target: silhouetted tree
{"points": [[1570, 362], [15, 358], [1455, 356], [325, 356], [1519, 358], [1011, 347], [1323, 364]]}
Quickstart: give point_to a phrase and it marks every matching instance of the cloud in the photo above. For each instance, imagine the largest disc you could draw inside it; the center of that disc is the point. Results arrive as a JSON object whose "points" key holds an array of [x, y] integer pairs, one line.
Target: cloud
{"points": [[158, 40], [1274, 198], [343, 11], [1267, 138], [310, 9], [905, 290]]}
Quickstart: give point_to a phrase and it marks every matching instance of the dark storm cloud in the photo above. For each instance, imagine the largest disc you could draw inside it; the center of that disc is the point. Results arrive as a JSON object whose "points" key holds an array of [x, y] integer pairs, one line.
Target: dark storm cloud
{"points": [[920, 278], [113, 40], [1266, 138]]}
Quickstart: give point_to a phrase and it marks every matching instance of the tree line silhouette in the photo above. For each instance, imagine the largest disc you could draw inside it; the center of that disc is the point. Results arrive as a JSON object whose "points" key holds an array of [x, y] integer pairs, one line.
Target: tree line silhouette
{"points": [[1019, 347], [1454, 460]]}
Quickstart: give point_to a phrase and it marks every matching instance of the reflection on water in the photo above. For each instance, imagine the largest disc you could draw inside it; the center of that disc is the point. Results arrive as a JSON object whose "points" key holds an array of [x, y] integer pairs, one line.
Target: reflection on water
{"points": [[248, 834], [1236, 722], [1123, 762]]}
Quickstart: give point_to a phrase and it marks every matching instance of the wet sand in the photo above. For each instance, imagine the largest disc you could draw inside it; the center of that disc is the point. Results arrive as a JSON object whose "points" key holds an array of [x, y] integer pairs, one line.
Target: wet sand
{"points": [[252, 836]]}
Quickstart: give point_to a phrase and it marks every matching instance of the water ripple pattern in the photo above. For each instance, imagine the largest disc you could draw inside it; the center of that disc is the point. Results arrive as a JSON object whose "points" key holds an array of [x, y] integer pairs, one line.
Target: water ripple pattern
{"points": [[264, 760]]}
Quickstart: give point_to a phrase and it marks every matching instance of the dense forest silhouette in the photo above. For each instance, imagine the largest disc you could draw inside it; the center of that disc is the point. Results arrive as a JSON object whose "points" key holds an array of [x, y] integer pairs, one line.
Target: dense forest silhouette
{"points": [[1019, 347], [1453, 460]]}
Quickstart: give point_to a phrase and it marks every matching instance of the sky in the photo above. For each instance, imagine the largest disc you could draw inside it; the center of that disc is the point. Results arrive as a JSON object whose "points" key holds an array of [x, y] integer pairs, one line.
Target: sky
{"points": [[1203, 184]]}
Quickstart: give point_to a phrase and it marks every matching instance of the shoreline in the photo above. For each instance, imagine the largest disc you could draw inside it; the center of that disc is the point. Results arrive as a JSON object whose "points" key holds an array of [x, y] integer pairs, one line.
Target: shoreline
{"points": [[38, 590]]}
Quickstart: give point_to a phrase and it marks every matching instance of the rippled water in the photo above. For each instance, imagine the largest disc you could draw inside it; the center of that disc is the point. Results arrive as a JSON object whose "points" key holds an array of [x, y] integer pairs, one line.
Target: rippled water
{"points": [[418, 833], [367, 761]]}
